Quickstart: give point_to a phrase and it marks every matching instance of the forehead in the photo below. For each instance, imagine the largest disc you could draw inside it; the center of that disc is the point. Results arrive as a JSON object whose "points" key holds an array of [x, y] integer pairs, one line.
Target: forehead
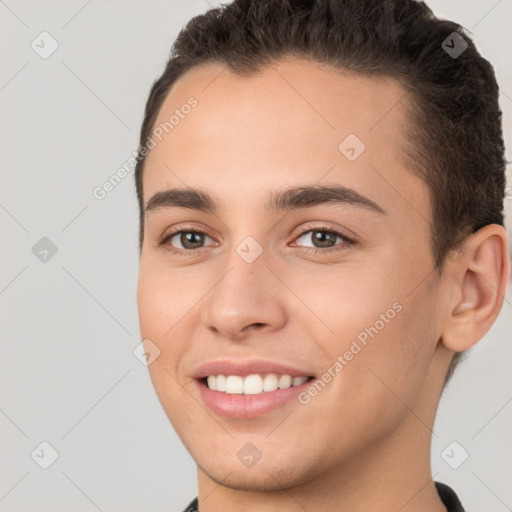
{"points": [[286, 124], [293, 97]]}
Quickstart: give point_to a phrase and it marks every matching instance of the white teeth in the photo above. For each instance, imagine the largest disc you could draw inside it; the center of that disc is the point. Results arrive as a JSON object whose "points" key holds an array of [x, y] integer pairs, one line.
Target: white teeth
{"points": [[234, 384], [270, 382], [285, 381], [297, 381], [211, 381], [220, 383], [252, 384]]}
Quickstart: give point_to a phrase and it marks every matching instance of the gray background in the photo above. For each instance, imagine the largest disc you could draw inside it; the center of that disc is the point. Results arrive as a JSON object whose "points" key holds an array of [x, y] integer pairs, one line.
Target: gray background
{"points": [[68, 375]]}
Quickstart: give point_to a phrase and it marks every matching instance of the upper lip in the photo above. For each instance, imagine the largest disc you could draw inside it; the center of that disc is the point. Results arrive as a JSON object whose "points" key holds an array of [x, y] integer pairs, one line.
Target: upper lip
{"points": [[243, 368]]}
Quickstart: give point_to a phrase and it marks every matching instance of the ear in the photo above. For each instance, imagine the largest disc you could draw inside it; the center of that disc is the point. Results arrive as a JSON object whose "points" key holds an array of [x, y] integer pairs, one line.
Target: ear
{"points": [[480, 277]]}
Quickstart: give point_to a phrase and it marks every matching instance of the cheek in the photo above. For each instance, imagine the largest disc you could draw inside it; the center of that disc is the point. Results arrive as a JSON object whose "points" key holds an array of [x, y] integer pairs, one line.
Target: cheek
{"points": [[166, 317], [350, 301], [390, 369], [155, 324], [147, 286], [385, 336], [160, 302], [156, 318]]}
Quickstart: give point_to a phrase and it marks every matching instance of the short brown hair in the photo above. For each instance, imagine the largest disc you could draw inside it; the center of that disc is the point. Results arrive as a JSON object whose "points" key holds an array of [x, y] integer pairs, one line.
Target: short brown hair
{"points": [[455, 144]]}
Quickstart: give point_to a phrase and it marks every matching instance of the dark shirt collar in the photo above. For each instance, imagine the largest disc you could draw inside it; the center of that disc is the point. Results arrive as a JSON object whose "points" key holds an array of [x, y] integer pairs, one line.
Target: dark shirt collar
{"points": [[449, 498], [447, 495]]}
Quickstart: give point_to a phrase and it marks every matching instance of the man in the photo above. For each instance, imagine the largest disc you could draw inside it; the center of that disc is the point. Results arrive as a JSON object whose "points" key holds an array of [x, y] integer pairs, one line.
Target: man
{"points": [[321, 193]]}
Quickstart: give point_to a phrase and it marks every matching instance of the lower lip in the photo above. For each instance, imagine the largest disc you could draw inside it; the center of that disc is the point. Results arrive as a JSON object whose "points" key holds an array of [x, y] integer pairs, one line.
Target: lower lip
{"points": [[248, 406]]}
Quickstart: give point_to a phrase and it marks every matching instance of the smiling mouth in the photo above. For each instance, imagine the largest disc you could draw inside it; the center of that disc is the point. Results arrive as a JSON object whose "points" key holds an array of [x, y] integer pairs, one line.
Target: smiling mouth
{"points": [[253, 384]]}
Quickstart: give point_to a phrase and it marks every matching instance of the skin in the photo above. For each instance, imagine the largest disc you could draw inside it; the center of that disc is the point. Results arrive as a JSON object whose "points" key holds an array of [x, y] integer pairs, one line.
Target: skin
{"points": [[362, 444]]}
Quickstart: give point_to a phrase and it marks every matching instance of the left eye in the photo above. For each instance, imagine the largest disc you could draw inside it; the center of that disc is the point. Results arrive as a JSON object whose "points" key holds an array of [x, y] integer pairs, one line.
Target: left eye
{"points": [[324, 239]]}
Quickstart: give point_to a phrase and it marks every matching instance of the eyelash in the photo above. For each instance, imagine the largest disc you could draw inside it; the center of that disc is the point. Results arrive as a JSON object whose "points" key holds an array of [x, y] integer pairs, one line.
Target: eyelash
{"points": [[346, 241]]}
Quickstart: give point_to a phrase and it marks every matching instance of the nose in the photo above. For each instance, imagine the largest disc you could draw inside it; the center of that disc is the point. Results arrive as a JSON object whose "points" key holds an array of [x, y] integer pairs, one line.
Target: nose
{"points": [[246, 298]]}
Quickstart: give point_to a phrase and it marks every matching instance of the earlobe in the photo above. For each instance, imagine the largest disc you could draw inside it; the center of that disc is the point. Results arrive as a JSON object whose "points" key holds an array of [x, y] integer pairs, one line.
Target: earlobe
{"points": [[481, 276]]}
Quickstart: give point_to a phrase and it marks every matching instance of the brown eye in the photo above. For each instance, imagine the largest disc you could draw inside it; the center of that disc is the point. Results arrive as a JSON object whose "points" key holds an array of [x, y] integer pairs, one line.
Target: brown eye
{"points": [[190, 239], [184, 241], [323, 238]]}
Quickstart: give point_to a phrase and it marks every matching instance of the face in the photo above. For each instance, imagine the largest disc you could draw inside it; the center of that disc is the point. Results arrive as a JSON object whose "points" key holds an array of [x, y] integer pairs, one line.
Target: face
{"points": [[342, 288]]}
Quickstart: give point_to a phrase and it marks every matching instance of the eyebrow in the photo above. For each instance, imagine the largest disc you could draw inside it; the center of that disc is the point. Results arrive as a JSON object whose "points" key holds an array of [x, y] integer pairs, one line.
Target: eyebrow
{"points": [[283, 200]]}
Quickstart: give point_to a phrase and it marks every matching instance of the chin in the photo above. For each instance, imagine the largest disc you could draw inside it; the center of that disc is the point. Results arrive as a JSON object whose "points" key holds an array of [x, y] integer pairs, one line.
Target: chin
{"points": [[250, 479]]}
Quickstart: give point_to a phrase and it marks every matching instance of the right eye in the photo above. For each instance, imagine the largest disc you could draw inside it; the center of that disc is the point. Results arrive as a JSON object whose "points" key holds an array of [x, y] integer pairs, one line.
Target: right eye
{"points": [[190, 240]]}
